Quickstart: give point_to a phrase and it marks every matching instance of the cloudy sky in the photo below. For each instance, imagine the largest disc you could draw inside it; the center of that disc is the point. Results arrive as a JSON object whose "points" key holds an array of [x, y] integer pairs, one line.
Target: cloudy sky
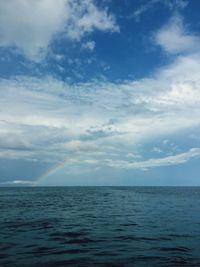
{"points": [[99, 92]]}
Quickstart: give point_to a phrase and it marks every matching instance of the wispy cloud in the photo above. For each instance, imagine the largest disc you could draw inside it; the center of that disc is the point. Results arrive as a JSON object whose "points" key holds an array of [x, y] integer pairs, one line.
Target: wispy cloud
{"points": [[148, 5], [156, 162], [143, 9]]}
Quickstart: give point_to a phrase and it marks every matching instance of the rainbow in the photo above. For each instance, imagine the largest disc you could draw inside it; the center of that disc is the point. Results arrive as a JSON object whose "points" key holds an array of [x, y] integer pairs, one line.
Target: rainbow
{"points": [[51, 171]]}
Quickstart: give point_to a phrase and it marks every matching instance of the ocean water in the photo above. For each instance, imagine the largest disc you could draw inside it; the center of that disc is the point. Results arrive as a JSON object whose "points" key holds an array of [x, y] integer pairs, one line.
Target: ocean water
{"points": [[100, 226]]}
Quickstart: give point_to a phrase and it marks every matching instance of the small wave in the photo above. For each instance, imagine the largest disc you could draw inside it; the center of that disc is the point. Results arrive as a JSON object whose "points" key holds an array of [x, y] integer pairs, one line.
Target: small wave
{"points": [[175, 249]]}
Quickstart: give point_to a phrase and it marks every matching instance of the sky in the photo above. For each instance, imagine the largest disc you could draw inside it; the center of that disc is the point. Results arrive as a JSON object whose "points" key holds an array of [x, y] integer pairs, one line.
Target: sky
{"points": [[99, 92]]}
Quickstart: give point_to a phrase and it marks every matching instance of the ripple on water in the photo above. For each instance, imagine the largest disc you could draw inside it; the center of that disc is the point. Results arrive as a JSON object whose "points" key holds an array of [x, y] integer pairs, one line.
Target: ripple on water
{"points": [[100, 227]]}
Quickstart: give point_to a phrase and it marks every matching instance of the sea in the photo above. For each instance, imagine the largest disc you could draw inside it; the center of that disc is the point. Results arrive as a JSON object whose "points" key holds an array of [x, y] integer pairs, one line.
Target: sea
{"points": [[99, 226]]}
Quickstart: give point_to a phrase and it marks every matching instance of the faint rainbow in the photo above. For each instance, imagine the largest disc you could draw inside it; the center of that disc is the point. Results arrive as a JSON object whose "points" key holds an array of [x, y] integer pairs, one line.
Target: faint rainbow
{"points": [[51, 171]]}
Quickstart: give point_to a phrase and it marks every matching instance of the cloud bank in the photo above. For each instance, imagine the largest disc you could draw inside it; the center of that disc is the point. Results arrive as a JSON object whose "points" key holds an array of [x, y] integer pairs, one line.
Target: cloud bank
{"points": [[50, 120]]}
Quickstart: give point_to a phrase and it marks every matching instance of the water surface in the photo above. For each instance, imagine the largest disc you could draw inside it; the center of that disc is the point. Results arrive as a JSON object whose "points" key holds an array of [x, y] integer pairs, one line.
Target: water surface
{"points": [[100, 226]]}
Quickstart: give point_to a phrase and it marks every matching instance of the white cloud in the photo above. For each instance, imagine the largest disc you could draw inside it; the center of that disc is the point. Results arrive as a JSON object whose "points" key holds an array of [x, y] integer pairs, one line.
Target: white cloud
{"points": [[85, 17], [90, 45], [31, 25], [174, 38], [156, 162]]}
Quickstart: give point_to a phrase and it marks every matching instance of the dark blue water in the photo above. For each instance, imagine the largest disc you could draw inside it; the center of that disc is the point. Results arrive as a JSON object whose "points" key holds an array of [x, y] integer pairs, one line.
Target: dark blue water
{"points": [[100, 226]]}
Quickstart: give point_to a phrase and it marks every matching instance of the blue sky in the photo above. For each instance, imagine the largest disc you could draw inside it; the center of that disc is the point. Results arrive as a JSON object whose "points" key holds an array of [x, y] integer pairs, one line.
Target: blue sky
{"points": [[99, 92]]}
